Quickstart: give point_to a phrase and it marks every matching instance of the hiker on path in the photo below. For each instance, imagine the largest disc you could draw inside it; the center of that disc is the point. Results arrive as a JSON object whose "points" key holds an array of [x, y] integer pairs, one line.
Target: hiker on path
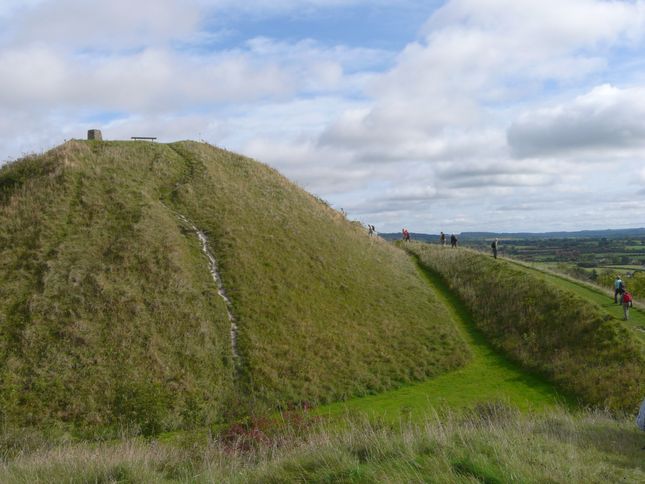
{"points": [[626, 300], [370, 230], [442, 239], [619, 287], [453, 241], [493, 246], [406, 235], [640, 420]]}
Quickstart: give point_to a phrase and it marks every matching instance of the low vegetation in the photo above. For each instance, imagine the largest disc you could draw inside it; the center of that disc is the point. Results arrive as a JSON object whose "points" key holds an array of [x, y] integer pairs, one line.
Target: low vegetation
{"points": [[325, 311], [634, 284], [569, 340], [109, 317], [592, 293], [491, 443], [488, 376]]}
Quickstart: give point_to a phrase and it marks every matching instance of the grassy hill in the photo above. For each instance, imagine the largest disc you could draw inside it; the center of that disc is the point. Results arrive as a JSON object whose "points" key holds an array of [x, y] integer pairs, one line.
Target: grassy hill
{"points": [[570, 340], [109, 314]]}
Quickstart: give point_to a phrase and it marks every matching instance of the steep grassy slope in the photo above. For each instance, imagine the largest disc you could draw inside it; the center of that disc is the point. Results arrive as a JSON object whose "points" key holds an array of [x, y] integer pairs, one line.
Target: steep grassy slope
{"points": [[488, 377], [573, 342], [109, 315], [325, 311], [596, 294], [104, 313]]}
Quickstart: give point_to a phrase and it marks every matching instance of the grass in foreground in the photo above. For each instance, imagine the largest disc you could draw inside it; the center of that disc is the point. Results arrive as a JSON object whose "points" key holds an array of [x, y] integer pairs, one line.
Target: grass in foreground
{"points": [[492, 443]]}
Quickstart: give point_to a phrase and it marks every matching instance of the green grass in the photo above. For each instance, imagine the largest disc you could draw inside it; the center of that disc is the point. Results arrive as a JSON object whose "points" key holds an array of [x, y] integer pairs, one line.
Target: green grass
{"points": [[488, 376], [102, 297], [491, 443], [325, 312], [109, 316], [571, 341], [603, 299]]}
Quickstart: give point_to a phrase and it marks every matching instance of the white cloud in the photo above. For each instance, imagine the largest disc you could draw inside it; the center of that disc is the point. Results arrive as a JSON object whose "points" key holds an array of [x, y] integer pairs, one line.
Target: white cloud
{"points": [[487, 119], [606, 118], [92, 24]]}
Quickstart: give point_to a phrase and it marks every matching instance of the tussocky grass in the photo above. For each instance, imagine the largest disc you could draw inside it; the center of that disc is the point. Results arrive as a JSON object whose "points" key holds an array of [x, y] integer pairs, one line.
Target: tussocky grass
{"points": [[110, 318], [491, 443], [593, 294], [488, 376], [571, 341]]}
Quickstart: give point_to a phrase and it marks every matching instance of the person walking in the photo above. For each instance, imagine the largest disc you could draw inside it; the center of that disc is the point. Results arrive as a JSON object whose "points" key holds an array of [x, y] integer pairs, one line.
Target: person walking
{"points": [[453, 241], [627, 303], [640, 419], [494, 246], [406, 235], [370, 230], [442, 239], [618, 288]]}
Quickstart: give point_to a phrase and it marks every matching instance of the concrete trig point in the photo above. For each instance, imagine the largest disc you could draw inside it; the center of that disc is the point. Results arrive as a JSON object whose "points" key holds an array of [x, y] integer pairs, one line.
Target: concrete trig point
{"points": [[94, 134]]}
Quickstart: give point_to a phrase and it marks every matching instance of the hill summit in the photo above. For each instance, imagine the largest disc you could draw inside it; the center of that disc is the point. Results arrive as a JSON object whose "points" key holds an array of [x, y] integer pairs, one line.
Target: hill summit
{"points": [[170, 285]]}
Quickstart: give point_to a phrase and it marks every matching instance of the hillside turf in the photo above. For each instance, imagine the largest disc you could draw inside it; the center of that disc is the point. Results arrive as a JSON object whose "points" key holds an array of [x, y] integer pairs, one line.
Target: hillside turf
{"points": [[488, 377], [569, 340], [109, 315]]}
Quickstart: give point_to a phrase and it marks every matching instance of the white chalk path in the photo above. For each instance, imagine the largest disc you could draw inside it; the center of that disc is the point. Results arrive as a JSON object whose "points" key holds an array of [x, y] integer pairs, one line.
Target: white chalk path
{"points": [[212, 266]]}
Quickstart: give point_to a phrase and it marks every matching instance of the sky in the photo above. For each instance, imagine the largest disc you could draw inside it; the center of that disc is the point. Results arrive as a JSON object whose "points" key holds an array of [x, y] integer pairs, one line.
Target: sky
{"points": [[457, 115]]}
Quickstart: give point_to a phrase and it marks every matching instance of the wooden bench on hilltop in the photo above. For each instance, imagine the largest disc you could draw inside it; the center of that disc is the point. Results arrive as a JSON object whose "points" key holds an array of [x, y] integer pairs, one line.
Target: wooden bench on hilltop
{"points": [[147, 138]]}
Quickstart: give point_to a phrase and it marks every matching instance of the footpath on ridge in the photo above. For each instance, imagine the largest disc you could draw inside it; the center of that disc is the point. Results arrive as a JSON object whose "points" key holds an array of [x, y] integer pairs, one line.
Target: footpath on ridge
{"points": [[636, 322], [487, 377]]}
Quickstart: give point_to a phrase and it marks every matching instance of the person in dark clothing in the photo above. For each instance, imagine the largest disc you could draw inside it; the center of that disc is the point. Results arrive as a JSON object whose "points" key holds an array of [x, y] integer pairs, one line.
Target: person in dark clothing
{"points": [[442, 239], [453, 241], [494, 247], [619, 287]]}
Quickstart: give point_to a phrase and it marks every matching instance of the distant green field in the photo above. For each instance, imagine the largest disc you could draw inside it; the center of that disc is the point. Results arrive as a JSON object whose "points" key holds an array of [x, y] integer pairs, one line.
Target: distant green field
{"points": [[624, 267]]}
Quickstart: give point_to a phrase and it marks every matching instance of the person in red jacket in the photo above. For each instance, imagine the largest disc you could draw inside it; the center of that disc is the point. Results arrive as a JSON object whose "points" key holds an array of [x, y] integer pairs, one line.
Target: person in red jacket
{"points": [[627, 303]]}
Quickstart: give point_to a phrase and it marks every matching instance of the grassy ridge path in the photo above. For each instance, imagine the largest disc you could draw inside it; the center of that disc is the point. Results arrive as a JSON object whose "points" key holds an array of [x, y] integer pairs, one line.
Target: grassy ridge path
{"points": [[636, 320], [489, 376]]}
